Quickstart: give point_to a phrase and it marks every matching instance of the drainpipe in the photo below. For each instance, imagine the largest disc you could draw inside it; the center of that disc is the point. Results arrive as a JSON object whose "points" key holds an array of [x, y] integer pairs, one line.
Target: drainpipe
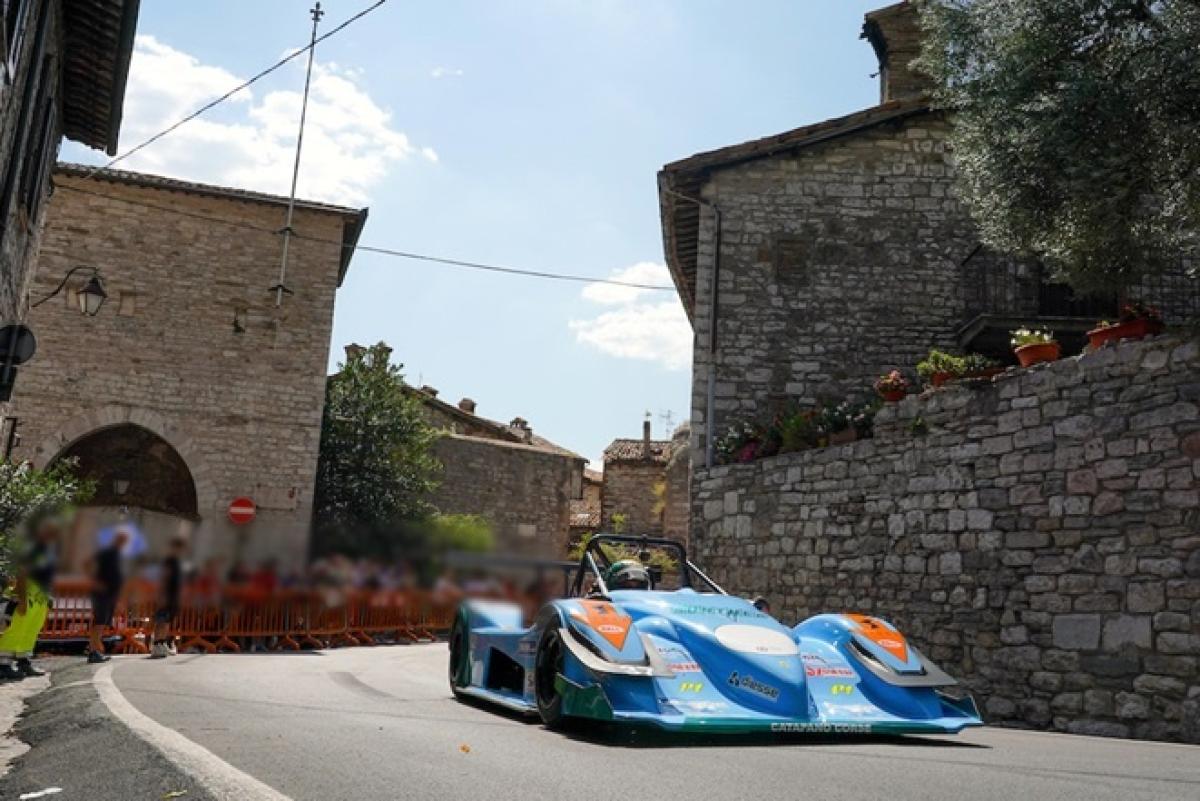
{"points": [[711, 391]]}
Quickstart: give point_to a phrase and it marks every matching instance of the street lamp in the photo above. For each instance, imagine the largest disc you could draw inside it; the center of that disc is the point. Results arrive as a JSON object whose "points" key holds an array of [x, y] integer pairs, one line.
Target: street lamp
{"points": [[91, 296]]}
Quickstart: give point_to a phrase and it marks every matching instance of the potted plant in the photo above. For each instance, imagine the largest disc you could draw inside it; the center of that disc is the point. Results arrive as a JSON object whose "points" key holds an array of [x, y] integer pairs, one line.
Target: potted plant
{"points": [[940, 367], [976, 365], [834, 421], [862, 418], [1035, 346], [797, 431], [892, 387], [738, 445], [1137, 320]]}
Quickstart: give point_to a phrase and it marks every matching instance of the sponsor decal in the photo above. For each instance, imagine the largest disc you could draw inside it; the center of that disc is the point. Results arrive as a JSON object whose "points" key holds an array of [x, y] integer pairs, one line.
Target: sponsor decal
{"points": [[691, 686], [820, 672], [529, 687], [702, 706], [881, 634], [527, 647], [684, 667], [733, 613], [841, 689], [821, 728], [606, 621], [751, 684]]}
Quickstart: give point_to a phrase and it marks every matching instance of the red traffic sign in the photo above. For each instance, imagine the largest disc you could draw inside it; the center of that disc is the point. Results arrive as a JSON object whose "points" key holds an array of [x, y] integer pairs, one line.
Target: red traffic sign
{"points": [[242, 511]]}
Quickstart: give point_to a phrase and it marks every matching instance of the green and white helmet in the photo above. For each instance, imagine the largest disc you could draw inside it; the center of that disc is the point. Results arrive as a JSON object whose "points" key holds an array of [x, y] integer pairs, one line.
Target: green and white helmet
{"points": [[627, 574]]}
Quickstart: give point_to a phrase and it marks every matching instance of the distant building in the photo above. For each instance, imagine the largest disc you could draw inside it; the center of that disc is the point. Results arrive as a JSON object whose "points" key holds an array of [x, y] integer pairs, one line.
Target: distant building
{"points": [[190, 387], [521, 482], [585, 511], [62, 73], [642, 493]]}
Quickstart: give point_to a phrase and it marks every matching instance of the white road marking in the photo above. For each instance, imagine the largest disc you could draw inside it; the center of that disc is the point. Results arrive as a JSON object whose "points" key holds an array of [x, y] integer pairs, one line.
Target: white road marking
{"points": [[218, 777]]}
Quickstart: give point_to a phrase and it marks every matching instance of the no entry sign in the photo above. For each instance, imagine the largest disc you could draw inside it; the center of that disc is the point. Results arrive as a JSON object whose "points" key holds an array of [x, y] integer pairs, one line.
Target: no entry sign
{"points": [[242, 511]]}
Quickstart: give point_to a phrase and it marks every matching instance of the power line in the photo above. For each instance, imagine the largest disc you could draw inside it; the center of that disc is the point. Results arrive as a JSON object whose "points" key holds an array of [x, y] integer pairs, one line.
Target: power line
{"points": [[211, 104], [402, 254]]}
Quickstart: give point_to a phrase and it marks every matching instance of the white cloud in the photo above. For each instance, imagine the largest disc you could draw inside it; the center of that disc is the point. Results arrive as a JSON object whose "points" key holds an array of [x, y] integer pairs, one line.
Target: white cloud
{"points": [[645, 325], [249, 141], [445, 72]]}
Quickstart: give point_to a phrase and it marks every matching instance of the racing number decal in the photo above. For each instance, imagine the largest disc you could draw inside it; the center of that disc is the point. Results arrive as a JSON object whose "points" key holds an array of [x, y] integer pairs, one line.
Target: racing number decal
{"points": [[885, 637], [841, 689], [605, 620]]}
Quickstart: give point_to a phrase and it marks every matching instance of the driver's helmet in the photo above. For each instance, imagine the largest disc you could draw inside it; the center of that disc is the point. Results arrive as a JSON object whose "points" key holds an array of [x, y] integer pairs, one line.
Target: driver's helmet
{"points": [[627, 574]]}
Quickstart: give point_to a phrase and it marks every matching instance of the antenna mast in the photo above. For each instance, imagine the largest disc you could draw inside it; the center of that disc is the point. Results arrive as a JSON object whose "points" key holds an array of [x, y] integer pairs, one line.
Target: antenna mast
{"points": [[280, 288]]}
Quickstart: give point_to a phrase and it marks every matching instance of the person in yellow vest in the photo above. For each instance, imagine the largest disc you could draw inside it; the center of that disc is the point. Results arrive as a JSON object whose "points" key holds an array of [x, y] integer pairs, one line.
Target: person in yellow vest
{"points": [[28, 602]]}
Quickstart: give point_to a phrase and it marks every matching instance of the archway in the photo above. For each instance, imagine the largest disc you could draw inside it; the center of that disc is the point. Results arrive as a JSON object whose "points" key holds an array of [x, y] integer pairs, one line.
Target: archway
{"points": [[134, 467], [136, 476]]}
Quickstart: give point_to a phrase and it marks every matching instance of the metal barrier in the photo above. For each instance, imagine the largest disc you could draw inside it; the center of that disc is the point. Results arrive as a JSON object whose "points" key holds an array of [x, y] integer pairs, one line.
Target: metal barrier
{"points": [[246, 619]]}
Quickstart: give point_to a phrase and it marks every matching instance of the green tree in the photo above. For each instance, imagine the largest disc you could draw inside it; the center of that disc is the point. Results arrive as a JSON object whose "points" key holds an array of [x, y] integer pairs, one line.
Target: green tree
{"points": [[1075, 127], [27, 494], [375, 469]]}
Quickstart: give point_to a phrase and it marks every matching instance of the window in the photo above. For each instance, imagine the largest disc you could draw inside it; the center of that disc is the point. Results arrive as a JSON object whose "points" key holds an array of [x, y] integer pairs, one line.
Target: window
{"points": [[15, 17], [790, 260]]}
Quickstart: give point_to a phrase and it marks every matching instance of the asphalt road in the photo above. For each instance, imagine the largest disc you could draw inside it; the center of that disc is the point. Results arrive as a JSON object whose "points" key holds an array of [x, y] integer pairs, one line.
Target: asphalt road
{"points": [[380, 723]]}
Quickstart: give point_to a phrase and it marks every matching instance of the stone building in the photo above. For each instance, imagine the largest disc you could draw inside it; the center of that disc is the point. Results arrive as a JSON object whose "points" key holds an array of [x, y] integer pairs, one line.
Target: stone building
{"points": [[521, 482], [812, 261], [64, 66], [646, 483], [585, 511], [190, 387]]}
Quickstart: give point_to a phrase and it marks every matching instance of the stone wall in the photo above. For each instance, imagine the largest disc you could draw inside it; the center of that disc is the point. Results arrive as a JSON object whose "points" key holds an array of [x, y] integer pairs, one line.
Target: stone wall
{"points": [[190, 346], [634, 489], [1037, 535], [523, 490]]}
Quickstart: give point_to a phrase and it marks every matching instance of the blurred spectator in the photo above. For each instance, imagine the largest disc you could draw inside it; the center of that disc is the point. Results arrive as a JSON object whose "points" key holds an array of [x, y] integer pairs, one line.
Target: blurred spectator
{"points": [[170, 583], [106, 589], [26, 611]]}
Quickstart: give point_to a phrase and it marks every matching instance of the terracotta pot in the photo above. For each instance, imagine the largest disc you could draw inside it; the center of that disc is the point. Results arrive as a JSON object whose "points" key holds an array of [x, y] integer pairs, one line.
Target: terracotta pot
{"points": [[942, 377], [843, 437], [1038, 352], [1134, 329], [893, 395]]}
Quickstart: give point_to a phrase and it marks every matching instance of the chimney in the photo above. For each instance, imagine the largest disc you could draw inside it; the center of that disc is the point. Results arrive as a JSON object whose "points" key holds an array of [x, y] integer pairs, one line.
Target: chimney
{"points": [[467, 405], [646, 439], [430, 391], [354, 351], [895, 33], [520, 426]]}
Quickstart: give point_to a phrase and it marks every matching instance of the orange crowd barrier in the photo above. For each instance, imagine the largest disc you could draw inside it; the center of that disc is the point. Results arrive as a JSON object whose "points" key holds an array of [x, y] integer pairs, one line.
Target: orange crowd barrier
{"points": [[244, 618]]}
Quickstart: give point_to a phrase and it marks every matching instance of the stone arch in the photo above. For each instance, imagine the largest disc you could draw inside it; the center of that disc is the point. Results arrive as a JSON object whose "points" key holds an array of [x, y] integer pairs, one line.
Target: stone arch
{"points": [[110, 416]]}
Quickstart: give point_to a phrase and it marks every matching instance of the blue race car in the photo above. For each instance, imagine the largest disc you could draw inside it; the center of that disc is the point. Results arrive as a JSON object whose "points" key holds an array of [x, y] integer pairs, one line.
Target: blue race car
{"points": [[624, 647]]}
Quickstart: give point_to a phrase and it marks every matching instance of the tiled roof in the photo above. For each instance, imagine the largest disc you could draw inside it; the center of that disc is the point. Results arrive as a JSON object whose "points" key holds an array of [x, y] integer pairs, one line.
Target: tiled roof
{"points": [[634, 450], [500, 431], [98, 39]]}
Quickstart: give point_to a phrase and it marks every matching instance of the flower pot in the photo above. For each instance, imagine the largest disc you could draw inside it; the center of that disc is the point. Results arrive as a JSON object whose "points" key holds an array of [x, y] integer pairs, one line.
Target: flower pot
{"points": [[1134, 329], [748, 452], [942, 377], [843, 437], [1038, 352], [893, 395]]}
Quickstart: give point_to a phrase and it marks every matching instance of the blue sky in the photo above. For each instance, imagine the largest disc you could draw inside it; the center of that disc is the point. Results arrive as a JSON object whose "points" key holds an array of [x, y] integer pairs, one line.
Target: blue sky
{"points": [[517, 133]]}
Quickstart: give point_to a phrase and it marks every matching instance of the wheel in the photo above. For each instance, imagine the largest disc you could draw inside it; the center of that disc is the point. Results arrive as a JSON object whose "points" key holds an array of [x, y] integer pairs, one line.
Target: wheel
{"points": [[460, 655], [548, 663]]}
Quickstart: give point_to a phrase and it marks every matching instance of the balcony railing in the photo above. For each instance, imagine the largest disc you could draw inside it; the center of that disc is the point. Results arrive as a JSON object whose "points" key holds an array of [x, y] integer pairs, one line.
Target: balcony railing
{"points": [[1000, 293]]}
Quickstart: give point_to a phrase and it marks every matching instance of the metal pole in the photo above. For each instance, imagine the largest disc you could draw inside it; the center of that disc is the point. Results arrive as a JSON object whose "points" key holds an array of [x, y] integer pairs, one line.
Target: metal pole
{"points": [[280, 288]]}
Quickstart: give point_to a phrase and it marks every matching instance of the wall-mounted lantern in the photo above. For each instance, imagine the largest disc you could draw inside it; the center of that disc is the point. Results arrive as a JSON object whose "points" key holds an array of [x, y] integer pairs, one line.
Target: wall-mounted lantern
{"points": [[91, 295]]}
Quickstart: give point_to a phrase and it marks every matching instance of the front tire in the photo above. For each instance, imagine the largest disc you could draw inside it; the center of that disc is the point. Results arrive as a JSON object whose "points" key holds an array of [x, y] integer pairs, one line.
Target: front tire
{"points": [[460, 656], [548, 665]]}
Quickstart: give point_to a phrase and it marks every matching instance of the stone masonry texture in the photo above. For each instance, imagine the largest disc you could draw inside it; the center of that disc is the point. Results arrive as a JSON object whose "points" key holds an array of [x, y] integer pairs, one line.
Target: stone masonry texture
{"points": [[242, 408], [1037, 535]]}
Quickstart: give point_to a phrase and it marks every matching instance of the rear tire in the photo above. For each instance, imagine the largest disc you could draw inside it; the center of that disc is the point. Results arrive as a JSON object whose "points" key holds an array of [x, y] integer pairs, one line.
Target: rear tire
{"points": [[460, 656], [548, 665]]}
